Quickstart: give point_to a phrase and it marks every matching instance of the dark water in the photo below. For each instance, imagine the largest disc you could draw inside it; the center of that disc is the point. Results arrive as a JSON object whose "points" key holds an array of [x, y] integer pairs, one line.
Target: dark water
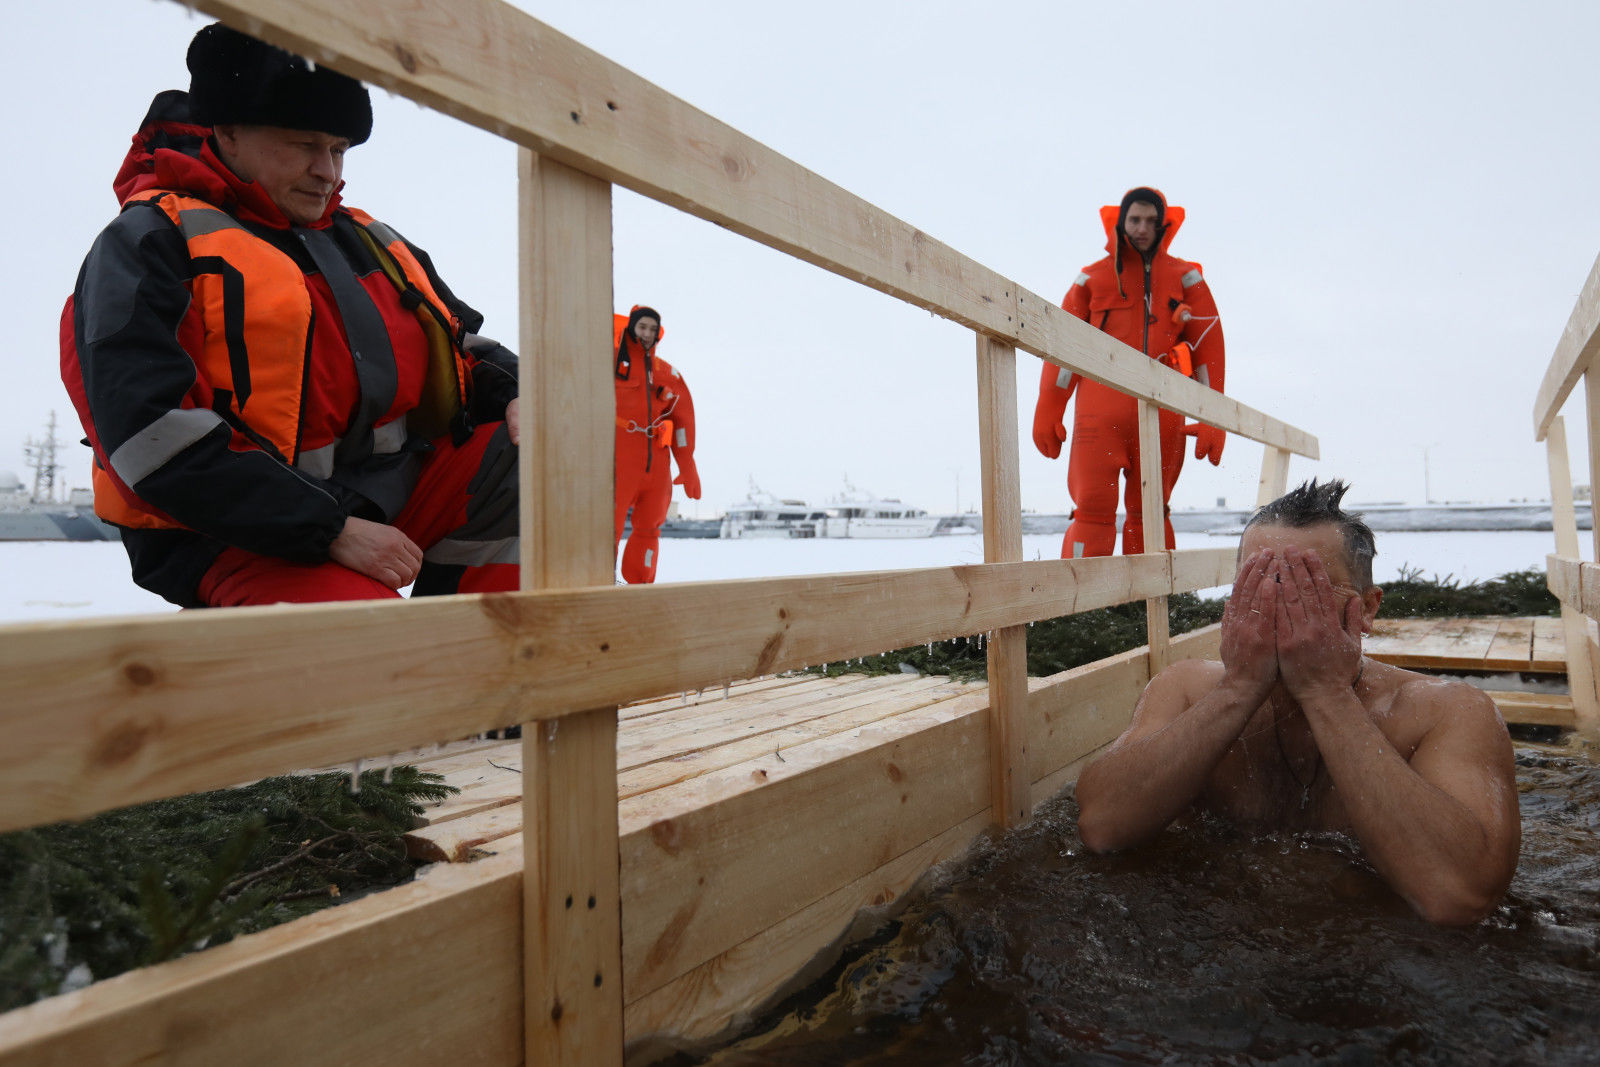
{"points": [[1212, 946]]}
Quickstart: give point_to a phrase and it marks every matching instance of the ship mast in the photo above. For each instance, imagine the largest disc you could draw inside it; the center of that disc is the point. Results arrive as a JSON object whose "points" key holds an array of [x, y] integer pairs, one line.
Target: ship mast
{"points": [[42, 458]]}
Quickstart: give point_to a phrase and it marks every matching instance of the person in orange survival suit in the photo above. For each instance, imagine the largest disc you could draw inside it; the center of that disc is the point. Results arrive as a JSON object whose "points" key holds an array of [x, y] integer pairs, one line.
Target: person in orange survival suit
{"points": [[1149, 299], [655, 414]]}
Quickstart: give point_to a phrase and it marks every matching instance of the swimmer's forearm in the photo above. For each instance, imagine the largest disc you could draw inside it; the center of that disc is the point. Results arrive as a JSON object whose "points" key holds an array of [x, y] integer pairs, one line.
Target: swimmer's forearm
{"points": [[1132, 792], [1426, 844]]}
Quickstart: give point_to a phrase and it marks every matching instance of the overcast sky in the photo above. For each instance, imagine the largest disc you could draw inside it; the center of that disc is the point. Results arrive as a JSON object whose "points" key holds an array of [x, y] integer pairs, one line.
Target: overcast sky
{"points": [[1391, 202]]}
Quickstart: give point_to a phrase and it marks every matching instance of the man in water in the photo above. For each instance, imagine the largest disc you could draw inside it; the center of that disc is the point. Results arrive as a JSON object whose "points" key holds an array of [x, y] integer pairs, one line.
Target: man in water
{"points": [[1296, 730]]}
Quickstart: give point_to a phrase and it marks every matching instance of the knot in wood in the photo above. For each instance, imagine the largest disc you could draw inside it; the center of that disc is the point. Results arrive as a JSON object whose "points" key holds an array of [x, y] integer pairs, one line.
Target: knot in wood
{"points": [[139, 674], [122, 743], [406, 58]]}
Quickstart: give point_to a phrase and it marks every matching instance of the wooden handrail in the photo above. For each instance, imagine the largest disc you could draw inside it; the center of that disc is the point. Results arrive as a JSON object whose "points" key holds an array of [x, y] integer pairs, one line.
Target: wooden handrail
{"points": [[492, 66], [1574, 355], [104, 713]]}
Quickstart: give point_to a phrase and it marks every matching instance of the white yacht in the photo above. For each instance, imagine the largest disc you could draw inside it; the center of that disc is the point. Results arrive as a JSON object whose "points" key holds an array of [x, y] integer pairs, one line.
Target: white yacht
{"points": [[857, 514], [761, 514]]}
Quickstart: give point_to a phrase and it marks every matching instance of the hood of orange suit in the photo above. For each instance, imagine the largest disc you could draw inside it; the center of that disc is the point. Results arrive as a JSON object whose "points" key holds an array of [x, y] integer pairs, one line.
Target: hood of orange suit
{"points": [[1172, 214]]}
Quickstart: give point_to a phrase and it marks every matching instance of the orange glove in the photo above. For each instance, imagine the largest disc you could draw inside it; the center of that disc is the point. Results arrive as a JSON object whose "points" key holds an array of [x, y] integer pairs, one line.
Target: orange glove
{"points": [[1048, 429], [1207, 441], [689, 478]]}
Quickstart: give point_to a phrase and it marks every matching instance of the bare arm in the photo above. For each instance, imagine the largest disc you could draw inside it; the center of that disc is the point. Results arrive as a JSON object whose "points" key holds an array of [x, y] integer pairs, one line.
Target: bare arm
{"points": [[1164, 759], [1443, 829]]}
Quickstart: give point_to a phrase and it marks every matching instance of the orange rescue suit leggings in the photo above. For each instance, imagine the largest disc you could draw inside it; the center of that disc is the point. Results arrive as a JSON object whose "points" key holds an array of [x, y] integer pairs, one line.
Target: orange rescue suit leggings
{"points": [[1105, 443], [649, 494]]}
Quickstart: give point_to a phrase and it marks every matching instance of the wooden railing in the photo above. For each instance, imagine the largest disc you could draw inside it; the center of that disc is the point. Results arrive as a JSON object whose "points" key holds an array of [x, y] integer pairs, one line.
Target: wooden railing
{"points": [[1574, 582], [102, 714]]}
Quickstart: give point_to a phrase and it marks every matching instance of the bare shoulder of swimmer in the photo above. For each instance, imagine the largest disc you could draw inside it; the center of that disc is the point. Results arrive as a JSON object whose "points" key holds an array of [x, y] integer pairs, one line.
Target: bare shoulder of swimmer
{"points": [[1170, 694]]}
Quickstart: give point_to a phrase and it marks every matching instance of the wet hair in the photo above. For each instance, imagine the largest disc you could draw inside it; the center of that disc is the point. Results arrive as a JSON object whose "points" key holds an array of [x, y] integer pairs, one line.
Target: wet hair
{"points": [[1312, 504]]}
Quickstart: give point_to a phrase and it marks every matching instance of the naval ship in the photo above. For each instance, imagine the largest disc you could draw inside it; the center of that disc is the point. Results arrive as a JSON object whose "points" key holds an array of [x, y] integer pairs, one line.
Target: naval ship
{"points": [[40, 512]]}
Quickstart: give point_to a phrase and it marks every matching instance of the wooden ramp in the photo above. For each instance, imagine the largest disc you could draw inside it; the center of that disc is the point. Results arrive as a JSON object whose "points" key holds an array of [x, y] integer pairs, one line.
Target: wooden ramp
{"points": [[670, 741]]}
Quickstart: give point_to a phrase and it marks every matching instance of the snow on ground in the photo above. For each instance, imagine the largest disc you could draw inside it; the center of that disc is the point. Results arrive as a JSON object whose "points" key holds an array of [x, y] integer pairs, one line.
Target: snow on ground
{"points": [[61, 580]]}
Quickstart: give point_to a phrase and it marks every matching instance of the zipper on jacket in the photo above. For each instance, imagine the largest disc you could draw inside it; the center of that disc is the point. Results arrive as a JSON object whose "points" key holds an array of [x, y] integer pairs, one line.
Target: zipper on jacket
{"points": [[649, 414], [1146, 307]]}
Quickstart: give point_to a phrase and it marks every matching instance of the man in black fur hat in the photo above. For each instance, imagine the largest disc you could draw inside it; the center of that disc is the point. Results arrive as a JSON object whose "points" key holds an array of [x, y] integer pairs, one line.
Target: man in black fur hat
{"points": [[285, 401], [1295, 729]]}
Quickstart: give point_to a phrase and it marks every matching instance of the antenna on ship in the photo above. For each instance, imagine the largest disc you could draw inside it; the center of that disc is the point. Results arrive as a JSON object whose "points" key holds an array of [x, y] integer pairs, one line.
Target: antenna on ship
{"points": [[42, 458]]}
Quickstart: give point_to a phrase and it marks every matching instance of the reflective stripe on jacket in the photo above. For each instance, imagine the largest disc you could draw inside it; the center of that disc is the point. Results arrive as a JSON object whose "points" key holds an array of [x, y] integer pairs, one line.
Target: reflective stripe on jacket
{"points": [[254, 352]]}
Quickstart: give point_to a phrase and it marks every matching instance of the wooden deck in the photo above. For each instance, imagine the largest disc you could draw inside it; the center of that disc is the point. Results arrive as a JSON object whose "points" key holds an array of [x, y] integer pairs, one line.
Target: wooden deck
{"points": [[667, 742], [1532, 644]]}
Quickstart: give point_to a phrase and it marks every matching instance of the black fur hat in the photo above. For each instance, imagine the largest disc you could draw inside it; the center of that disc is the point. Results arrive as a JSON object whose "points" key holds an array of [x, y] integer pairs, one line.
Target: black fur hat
{"points": [[235, 78]]}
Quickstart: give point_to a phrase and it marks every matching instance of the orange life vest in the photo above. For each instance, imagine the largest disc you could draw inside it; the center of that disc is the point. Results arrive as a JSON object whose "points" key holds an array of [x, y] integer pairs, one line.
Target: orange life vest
{"points": [[256, 314]]}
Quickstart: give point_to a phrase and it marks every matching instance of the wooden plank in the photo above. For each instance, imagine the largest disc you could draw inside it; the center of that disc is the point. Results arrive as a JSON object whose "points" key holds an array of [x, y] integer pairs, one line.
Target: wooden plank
{"points": [[1549, 646], [475, 761], [1589, 589], [1153, 509], [1573, 357], [1203, 568], [1274, 480], [352, 984], [704, 869], [1437, 644], [471, 802], [852, 713], [675, 715], [494, 67], [755, 724], [455, 840], [1459, 643], [1392, 640], [1067, 714], [1512, 648], [1009, 749], [572, 923], [997, 441], [1591, 395], [656, 705], [105, 713], [699, 726], [726, 990], [1583, 663], [1002, 543], [1539, 709]]}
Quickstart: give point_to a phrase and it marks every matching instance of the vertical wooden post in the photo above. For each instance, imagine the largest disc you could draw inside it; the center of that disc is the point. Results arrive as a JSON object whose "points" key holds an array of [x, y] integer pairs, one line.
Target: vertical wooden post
{"points": [[572, 939], [1010, 775], [1274, 475], [1153, 507], [1581, 659], [1591, 393]]}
